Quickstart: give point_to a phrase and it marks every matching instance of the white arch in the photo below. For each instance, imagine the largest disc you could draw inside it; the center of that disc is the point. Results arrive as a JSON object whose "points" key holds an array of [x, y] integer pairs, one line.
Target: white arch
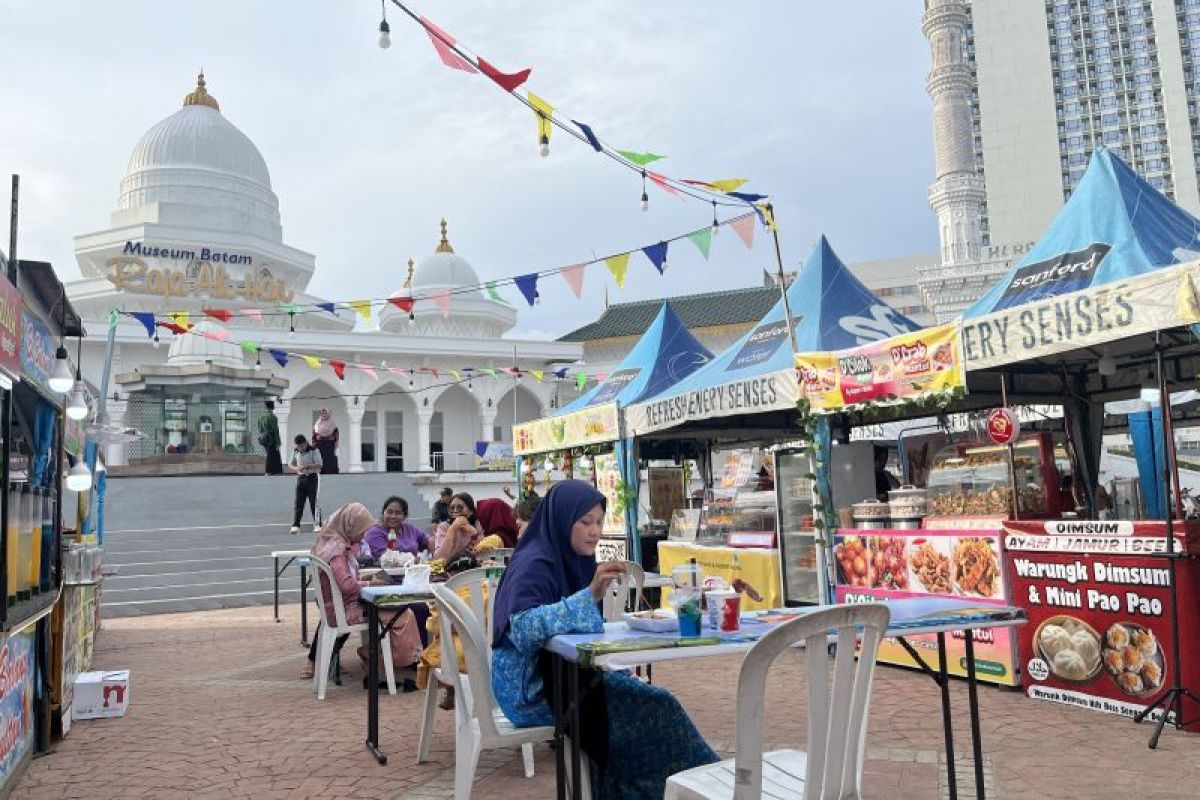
{"points": [[390, 422], [454, 428]]}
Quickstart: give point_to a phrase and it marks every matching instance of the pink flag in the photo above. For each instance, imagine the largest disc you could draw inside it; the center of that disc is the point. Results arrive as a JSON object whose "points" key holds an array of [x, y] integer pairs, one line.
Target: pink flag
{"points": [[217, 335], [745, 228], [574, 278], [368, 370], [661, 182], [254, 314], [441, 299], [396, 370], [441, 43]]}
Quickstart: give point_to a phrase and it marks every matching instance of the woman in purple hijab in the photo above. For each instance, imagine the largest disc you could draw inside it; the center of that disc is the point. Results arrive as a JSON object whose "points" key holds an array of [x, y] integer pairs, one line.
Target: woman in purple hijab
{"points": [[637, 735]]}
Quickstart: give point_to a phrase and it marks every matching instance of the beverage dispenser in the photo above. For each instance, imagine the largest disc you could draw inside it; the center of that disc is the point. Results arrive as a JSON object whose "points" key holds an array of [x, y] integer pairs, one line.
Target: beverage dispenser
{"points": [[12, 544], [35, 540], [49, 541], [25, 537]]}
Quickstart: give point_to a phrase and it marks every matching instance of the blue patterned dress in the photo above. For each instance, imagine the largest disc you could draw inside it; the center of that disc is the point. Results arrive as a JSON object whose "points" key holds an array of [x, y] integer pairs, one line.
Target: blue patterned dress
{"points": [[650, 736]]}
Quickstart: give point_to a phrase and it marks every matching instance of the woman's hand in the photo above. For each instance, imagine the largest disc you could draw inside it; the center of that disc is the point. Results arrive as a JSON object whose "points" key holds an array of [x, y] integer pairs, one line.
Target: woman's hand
{"points": [[606, 573]]}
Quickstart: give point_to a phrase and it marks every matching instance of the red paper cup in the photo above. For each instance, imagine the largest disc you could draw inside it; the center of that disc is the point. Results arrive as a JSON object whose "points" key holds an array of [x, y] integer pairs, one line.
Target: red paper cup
{"points": [[731, 613]]}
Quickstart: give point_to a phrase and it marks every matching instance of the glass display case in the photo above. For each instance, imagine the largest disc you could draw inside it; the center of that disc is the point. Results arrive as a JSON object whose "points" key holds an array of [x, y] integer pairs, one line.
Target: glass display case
{"points": [[737, 517], [973, 480], [800, 557]]}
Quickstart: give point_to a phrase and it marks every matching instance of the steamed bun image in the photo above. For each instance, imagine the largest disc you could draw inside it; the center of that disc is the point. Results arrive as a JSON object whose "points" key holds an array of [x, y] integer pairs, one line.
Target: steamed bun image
{"points": [[1054, 639], [1069, 664]]}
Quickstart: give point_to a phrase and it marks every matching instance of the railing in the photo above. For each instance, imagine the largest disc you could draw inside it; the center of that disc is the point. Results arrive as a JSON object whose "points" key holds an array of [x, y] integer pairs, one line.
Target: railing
{"points": [[454, 461]]}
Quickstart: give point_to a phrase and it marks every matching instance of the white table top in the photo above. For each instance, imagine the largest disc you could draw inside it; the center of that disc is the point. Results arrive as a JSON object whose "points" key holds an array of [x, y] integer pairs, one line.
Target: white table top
{"points": [[910, 617], [398, 594], [290, 553]]}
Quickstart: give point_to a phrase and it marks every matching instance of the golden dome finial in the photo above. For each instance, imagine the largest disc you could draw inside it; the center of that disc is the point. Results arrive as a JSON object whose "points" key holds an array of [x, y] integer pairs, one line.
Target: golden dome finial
{"points": [[444, 244], [200, 96], [412, 267]]}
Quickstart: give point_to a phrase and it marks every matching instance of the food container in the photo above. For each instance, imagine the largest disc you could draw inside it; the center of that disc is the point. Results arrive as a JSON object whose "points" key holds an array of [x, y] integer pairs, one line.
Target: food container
{"points": [[417, 575], [908, 502], [714, 601], [656, 621], [901, 524], [870, 514]]}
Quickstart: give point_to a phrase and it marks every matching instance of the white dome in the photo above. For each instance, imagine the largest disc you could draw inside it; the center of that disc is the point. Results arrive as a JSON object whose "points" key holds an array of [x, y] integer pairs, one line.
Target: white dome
{"points": [[445, 269], [195, 349]]}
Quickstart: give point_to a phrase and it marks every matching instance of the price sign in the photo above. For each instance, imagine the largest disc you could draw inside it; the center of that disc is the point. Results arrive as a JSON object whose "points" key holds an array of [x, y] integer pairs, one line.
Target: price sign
{"points": [[1002, 426]]}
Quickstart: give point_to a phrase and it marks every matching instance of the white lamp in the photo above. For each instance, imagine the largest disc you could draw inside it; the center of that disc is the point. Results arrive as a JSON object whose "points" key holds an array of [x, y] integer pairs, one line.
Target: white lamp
{"points": [[1150, 392], [79, 477], [77, 405], [61, 379]]}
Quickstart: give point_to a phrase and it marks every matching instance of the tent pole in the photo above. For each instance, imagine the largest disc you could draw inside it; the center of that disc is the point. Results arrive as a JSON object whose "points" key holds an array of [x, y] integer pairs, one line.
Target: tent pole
{"points": [[1012, 459], [783, 287]]}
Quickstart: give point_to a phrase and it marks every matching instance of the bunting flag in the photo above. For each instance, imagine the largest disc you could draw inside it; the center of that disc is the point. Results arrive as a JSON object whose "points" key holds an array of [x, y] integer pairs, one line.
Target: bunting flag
{"points": [[363, 307], [330, 307], [745, 229], [601, 377], [747, 196], [617, 265], [181, 319], [528, 286], [661, 182], [441, 299], [254, 314], [726, 186], [172, 327], [657, 253], [490, 288], [405, 304], [543, 111], [767, 216], [147, 320], [339, 368], [457, 375], [703, 240], [591, 137], [491, 372], [216, 334], [396, 370], [641, 159], [431, 370], [280, 357], [441, 43], [250, 347], [290, 308], [509, 82], [580, 380], [573, 275], [219, 314], [369, 371], [561, 374], [538, 375], [312, 361]]}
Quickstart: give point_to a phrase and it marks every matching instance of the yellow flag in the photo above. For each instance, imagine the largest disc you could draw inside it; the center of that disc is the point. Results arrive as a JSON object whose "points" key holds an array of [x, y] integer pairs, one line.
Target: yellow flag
{"points": [[767, 216], [728, 185], [363, 307], [617, 265], [538, 374], [543, 111], [312, 361], [181, 319]]}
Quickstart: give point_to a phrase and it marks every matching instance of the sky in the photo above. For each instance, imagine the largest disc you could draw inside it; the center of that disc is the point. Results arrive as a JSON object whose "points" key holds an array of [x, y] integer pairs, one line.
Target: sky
{"points": [[821, 105]]}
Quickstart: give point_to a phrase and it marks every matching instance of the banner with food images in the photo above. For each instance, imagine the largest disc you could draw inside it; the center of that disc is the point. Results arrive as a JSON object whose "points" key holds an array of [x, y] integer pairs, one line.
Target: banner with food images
{"points": [[591, 425], [904, 367], [882, 564], [1098, 600]]}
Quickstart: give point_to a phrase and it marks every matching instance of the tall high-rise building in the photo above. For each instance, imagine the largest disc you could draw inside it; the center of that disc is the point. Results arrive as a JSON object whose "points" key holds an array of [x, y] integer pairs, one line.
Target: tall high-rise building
{"points": [[1025, 90]]}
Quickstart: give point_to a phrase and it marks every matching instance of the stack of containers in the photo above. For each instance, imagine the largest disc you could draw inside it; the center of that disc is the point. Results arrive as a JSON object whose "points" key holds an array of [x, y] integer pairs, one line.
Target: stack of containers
{"points": [[25, 549]]}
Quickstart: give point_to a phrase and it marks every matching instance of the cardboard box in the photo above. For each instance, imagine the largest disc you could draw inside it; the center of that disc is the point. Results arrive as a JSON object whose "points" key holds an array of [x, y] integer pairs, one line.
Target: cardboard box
{"points": [[99, 695]]}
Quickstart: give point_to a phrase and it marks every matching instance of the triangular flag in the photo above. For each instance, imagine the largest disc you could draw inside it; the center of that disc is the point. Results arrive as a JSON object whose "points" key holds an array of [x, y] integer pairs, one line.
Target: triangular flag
{"points": [[490, 287], [617, 265], [396, 370], [181, 319], [330, 307], [289, 308], [702, 184], [431, 370], [279, 356], [218, 314], [508, 81], [745, 228], [580, 380], [528, 286], [657, 253], [703, 240], [748, 197], [363, 307], [405, 304], [727, 185], [254, 314], [641, 159], [591, 137], [661, 182], [441, 299], [543, 111], [250, 347], [561, 374], [457, 375], [368, 370], [172, 327], [767, 215], [538, 375], [312, 361], [147, 320], [601, 376], [441, 43], [216, 334], [339, 368], [574, 277], [490, 371]]}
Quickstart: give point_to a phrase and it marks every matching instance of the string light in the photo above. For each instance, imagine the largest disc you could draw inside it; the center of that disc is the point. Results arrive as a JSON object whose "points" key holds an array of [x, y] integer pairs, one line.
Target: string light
{"points": [[412, 319], [645, 197], [291, 324], [544, 147], [154, 342], [716, 226], [385, 30], [257, 360]]}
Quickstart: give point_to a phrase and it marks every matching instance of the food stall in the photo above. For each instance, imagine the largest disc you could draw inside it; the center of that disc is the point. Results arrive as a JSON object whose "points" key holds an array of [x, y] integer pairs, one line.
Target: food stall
{"points": [[738, 415]]}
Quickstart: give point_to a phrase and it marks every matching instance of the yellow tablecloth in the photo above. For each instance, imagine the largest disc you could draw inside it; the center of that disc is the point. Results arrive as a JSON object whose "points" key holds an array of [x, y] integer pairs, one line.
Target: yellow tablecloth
{"points": [[759, 568]]}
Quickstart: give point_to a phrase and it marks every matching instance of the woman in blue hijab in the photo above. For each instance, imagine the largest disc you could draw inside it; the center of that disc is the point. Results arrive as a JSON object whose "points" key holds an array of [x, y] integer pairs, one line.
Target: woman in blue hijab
{"points": [[636, 735]]}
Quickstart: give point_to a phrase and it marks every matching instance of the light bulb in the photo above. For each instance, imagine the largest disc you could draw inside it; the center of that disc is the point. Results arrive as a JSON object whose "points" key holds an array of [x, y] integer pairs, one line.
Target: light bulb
{"points": [[645, 202], [412, 319], [77, 406], [154, 342], [79, 477], [385, 35], [544, 149], [716, 228], [292, 325], [61, 379]]}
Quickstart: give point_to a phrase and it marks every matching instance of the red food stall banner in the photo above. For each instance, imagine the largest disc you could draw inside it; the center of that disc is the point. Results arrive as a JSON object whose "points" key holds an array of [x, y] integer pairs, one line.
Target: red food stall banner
{"points": [[1098, 600], [10, 328]]}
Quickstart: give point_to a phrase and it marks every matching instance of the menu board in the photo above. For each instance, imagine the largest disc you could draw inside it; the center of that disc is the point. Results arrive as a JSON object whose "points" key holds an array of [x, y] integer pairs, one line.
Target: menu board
{"points": [[608, 482], [1098, 598], [872, 565]]}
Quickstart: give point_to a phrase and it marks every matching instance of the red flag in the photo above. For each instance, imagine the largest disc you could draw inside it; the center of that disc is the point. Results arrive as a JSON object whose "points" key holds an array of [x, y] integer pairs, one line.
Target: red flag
{"points": [[441, 43], [405, 304], [661, 182], [509, 82], [430, 369], [172, 327], [218, 313], [745, 228], [339, 368]]}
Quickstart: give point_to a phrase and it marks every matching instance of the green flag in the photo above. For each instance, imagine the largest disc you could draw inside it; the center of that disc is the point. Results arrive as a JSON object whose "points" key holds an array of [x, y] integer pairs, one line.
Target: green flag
{"points": [[703, 240], [490, 286], [580, 380], [250, 347], [490, 371], [641, 159]]}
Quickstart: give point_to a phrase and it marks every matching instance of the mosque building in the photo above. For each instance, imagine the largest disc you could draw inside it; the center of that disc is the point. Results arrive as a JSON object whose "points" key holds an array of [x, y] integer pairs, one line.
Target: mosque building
{"points": [[197, 227]]}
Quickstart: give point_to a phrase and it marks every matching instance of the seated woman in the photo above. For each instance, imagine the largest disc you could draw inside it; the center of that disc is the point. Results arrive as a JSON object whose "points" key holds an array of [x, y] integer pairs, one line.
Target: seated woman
{"points": [[336, 544], [499, 527], [636, 735], [461, 533], [393, 523]]}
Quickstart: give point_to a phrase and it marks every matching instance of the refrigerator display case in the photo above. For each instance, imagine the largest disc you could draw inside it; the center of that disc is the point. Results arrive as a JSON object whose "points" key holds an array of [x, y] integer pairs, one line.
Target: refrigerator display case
{"points": [[801, 558], [973, 480]]}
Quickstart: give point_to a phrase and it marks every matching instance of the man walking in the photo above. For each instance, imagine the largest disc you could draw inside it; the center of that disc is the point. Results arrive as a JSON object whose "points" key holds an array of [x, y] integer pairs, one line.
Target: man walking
{"points": [[306, 463], [268, 437]]}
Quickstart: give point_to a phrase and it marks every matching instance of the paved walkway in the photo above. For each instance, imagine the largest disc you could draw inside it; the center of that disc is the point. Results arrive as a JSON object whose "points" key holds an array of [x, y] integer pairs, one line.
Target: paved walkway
{"points": [[218, 710]]}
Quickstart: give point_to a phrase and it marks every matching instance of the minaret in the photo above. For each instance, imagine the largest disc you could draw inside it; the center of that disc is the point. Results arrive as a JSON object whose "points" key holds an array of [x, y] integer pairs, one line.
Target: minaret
{"points": [[958, 195]]}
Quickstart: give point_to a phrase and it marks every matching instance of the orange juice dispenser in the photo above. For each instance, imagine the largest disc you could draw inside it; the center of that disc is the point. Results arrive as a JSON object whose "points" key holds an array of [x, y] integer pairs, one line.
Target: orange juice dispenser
{"points": [[35, 540], [12, 543], [25, 542]]}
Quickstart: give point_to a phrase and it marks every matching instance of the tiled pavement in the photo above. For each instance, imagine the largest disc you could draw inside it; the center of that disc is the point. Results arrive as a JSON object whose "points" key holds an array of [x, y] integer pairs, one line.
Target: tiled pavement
{"points": [[218, 710]]}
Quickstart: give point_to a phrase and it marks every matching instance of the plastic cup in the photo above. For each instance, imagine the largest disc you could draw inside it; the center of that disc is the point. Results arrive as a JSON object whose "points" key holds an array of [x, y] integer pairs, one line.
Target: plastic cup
{"points": [[687, 608], [731, 613], [714, 602]]}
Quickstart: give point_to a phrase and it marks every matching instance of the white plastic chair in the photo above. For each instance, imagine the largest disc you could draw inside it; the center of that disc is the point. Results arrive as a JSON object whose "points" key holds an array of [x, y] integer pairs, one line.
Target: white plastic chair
{"points": [[837, 723], [617, 598], [481, 725], [329, 632]]}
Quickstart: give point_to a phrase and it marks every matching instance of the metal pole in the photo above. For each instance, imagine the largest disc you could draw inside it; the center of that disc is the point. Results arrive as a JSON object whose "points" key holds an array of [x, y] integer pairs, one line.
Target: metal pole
{"points": [[12, 231], [787, 305], [1012, 459]]}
